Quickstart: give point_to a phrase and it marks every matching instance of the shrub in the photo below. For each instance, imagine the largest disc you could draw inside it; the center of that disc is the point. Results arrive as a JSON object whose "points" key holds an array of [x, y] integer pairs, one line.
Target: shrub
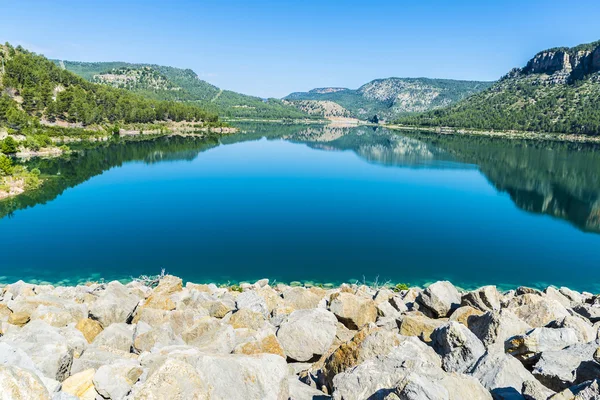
{"points": [[6, 167], [9, 145]]}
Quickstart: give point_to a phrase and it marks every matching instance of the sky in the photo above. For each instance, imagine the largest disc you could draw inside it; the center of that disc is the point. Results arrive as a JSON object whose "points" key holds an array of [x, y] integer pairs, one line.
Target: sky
{"points": [[273, 48]]}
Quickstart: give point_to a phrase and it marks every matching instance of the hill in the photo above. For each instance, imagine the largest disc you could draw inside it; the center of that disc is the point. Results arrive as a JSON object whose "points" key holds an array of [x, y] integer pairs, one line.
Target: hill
{"points": [[389, 98], [557, 91], [169, 83], [323, 108]]}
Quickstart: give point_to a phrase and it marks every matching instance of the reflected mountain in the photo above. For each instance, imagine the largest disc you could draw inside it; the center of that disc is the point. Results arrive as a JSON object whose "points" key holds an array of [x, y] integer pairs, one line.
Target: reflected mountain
{"points": [[557, 179]]}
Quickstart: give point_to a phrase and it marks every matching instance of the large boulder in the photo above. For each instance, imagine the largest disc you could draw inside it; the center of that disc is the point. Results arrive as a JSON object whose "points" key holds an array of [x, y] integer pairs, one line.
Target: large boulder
{"points": [[560, 369], [307, 334], [527, 347], [352, 310], [403, 374], [457, 345], [486, 298], [589, 390], [174, 379], [117, 336], [583, 329], [439, 299], [494, 327], [418, 325], [115, 304], [589, 311], [503, 374], [81, 385], [537, 311], [252, 301], [89, 328], [21, 384], [299, 298]]}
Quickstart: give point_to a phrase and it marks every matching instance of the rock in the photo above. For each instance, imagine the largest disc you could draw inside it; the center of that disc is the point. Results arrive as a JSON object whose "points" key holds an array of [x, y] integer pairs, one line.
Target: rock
{"points": [[560, 369], [494, 327], [589, 311], [502, 374], [367, 343], [252, 301], [96, 357], [21, 384], [81, 385], [387, 310], [114, 381], [259, 344], [58, 316], [554, 294], [211, 336], [534, 391], [528, 346], [51, 352], [418, 325], [462, 314], [307, 334], [521, 290], [404, 376], [353, 311], [161, 295], [589, 390], [398, 303], [439, 299], [538, 311], [13, 356], [147, 338], [572, 295], [584, 331], [219, 309], [486, 298], [301, 391], [246, 318], [115, 304], [457, 345], [89, 328], [116, 336], [174, 379], [236, 376], [19, 318], [300, 298]]}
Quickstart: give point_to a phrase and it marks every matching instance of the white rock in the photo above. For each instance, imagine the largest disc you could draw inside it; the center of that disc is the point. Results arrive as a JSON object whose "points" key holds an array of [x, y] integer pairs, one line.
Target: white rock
{"points": [[307, 334]]}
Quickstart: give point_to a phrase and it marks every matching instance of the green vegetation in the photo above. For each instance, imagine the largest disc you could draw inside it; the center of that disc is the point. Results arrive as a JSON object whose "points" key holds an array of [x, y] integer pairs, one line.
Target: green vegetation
{"points": [[391, 97], [168, 83], [542, 97]]}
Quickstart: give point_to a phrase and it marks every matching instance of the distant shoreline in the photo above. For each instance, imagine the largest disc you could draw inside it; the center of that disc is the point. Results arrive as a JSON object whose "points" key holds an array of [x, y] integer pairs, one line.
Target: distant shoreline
{"points": [[443, 130]]}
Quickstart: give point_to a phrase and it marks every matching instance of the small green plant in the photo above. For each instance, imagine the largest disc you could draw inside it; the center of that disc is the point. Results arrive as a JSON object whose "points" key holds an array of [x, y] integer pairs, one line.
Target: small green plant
{"points": [[9, 145], [6, 166], [236, 288], [400, 287]]}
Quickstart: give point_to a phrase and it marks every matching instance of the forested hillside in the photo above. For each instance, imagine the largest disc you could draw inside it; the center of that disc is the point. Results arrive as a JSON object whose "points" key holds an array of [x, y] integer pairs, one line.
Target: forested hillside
{"points": [[557, 91], [389, 98], [35, 90], [169, 83]]}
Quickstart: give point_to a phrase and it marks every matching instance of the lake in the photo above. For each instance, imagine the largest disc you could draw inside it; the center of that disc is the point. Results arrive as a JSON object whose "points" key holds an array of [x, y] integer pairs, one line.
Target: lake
{"points": [[313, 203]]}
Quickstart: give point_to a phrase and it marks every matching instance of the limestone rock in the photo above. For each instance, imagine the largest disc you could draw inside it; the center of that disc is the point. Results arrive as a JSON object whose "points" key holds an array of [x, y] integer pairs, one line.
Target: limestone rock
{"points": [[353, 311], [462, 314], [115, 304], [486, 298], [246, 318], [526, 347], [439, 299], [114, 381], [418, 325], [584, 331], [161, 295], [307, 334], [300, 298], [89, 328], [21, 384], [253, 302], [589, 311], [538, 311], [81, 385], [302, 391], [174, 379], [457, 345], [494, 327], [560, 369], [146, 338], [259, 344], [116, 336], [96, 357], [589, 390], [19, 318]]}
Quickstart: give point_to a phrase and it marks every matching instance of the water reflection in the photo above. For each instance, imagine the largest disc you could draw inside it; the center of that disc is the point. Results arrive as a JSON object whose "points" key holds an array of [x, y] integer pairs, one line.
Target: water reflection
{"points": [[556, 179]]}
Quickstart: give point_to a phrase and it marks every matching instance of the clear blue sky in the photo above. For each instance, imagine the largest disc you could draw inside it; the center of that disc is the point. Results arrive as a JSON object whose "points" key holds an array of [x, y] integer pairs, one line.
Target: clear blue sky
{"points": [[271, 48]]}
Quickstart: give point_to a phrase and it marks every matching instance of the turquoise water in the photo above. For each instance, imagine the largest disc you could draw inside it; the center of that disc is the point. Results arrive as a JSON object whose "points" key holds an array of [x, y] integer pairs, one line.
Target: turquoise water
{"points": [[314, 204]]}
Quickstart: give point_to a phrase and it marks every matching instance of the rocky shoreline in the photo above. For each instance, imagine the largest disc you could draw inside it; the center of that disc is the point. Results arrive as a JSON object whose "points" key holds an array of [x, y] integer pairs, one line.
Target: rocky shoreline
{"points": [[165, 340]]}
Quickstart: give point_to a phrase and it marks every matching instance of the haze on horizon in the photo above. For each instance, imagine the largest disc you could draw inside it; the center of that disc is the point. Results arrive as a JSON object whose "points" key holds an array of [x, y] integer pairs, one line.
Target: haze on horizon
{"points": [[269, 48]]}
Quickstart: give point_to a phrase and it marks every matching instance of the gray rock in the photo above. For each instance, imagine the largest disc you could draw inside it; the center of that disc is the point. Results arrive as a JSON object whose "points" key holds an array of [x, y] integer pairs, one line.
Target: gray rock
{"points": [[555, 294], [538, 311], [583, 329], [252, 301], [307, 334], [439, 299], [457, 345], [147, 338], [486, 298], [300, 298], [534, 391], [572, 295], [494, 327], [173, 379], [301, 391], [115, 304], [96, 357], [387, 310], [589, 390], [13, 356], [560, 369], [527, 347], [589, 311], [503, 375]]}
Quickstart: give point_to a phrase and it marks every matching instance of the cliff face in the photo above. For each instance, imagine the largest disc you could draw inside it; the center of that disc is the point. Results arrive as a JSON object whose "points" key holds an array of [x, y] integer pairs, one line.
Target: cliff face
{"points": [[566, 65]]}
